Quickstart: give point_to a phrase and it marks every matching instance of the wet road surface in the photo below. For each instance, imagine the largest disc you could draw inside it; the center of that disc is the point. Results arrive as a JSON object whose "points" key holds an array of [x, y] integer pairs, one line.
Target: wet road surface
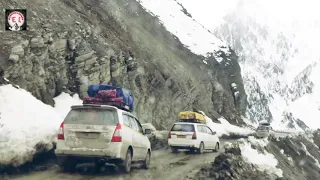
{"points": [[164, 165]]}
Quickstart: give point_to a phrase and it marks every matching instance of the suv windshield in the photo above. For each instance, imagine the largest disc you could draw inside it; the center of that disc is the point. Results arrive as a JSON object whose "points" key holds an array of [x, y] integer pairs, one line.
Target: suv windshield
{"points": [[183, 127], [92, 116]]}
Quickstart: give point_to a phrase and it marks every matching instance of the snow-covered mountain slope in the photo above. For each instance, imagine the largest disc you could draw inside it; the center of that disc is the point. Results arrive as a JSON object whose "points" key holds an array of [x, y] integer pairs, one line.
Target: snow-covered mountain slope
{"points": [[277, 43], [26, 122], [179, 22]]}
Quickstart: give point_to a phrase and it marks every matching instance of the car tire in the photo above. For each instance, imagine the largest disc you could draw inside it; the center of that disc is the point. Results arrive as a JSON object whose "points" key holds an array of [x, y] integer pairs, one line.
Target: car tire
{"points": [[174, 149], [216, 147], [201, 148], [126, 165], [146, 162], [67, 164]]}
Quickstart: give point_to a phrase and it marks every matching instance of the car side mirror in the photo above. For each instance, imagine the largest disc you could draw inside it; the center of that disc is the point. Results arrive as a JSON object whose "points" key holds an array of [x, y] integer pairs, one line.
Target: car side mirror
{"points": [[214, 133], [147, 131]]}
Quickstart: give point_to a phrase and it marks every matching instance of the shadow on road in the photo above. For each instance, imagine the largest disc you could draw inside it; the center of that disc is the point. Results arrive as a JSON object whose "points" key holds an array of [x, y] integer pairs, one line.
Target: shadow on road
{"points": [[92, 170]]}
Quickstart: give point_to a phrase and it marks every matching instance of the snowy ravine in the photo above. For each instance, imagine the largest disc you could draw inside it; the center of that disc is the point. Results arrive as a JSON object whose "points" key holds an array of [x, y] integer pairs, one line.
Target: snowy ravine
{"points": [[278, 50], [25, 122]]}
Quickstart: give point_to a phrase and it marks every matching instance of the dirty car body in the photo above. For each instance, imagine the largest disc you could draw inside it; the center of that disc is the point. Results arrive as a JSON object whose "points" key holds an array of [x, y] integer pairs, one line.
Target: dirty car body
{"points": [[101, 134]]}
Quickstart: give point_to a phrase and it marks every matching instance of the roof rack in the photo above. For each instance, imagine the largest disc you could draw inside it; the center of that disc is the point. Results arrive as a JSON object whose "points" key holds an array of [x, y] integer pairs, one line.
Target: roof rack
{"points": [[119, 105], [192, 121]]}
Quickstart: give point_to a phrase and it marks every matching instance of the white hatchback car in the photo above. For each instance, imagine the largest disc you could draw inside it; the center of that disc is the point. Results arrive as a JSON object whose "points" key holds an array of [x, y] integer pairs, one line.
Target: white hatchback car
{"points": [[102, 134], [192, 136]]}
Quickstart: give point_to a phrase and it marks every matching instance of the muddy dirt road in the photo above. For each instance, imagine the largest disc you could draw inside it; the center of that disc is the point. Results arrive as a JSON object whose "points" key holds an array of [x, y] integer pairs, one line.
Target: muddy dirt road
{"points": [[164, 165]]}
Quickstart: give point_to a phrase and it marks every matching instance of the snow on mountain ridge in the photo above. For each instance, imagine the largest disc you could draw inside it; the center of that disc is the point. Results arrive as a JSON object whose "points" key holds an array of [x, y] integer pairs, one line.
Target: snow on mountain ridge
{"points": [[283, 65], [191, 33], [277, 49]]}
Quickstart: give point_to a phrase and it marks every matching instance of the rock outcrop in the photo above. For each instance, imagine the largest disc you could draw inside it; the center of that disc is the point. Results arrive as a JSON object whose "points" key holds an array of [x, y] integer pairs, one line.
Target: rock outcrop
{"points": [[71, 43], [297, 156], [231, 166]]}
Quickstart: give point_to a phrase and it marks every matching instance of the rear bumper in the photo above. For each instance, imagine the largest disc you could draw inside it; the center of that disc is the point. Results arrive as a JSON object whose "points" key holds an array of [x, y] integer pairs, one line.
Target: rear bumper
{"points": [[114, 151], [262, 134], [183, 144]]}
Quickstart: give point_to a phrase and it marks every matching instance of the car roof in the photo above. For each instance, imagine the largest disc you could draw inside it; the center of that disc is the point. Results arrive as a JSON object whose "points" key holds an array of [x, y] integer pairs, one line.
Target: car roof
{"points": [[190, 123], [98, 106]]}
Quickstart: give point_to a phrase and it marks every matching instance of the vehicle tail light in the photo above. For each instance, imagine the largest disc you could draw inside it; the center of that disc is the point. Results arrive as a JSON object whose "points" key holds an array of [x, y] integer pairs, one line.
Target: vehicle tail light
{"points": [[194, 135], [169, 135], [61, 132], [117, 135]]}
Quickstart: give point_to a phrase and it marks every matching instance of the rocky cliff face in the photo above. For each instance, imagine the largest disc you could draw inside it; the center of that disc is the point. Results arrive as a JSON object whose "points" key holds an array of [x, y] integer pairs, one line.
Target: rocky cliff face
{"points": [[71, 44]]}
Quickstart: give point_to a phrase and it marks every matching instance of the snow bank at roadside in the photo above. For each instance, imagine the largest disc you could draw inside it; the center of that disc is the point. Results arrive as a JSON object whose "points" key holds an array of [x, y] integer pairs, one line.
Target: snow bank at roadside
{"points": [[25, 122], [225, 128], [64, 101], [264, 161]]}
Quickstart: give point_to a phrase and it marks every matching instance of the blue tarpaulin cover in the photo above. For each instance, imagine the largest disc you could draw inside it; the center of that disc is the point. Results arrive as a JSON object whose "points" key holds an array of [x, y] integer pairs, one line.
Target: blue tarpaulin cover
{"points": [[127, 97]]}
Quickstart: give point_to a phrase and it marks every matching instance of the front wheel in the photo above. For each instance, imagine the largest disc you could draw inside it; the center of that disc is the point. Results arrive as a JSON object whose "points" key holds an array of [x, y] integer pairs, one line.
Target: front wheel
{"points": [[216, 148], [126, 166], [146, 162], [201, 148]]}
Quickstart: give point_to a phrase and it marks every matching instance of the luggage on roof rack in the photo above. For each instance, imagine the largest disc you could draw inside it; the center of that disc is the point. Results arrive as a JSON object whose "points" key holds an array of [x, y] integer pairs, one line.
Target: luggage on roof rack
{"points": [[110, 95], [190, 116]]}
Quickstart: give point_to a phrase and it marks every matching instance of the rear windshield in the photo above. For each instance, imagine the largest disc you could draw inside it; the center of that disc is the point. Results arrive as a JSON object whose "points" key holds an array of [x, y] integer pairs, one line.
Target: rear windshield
{"points": [[183, 127], [264, 124], [92, 116], [263, 128]]}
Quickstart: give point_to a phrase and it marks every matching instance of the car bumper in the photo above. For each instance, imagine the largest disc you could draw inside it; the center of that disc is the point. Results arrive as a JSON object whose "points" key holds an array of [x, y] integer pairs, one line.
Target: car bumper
{"points": [[114, 151], [262, 134], [184, 144]]}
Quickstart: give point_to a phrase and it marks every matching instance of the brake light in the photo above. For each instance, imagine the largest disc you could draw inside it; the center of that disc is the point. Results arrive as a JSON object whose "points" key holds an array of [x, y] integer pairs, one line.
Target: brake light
{"points": [[169, 135], [61, 132], [194, 135], [117, 135]]}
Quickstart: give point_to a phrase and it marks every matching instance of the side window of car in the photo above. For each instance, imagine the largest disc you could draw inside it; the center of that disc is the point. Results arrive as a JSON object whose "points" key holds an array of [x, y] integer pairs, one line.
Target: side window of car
{"points": [[133, 123], [126, 120], [209, 131], [139, 126], [203, 129], [199, 128]]}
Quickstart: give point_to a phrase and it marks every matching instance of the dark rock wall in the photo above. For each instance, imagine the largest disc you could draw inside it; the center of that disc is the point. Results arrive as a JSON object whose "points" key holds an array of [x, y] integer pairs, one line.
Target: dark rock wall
{"points": [[70, 44]]}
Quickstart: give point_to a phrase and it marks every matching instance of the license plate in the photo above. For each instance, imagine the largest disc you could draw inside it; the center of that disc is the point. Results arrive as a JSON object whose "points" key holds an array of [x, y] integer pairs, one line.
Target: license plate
{"points": [[88, 135], [181, 136]]}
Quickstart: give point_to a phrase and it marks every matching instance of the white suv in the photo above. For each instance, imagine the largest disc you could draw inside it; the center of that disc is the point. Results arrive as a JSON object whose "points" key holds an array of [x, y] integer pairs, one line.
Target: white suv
{"points": [[102, 134], [192, 136], [264, 131]]}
